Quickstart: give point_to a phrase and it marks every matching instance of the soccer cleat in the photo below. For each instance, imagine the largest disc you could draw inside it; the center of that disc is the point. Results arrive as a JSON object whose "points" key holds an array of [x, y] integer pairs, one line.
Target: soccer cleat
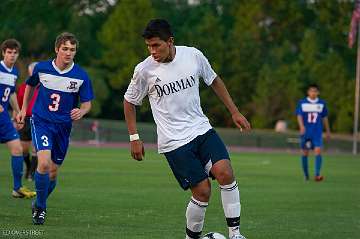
{"points": [[23, 192], [238, 237], [38, 215], [319, 178]]}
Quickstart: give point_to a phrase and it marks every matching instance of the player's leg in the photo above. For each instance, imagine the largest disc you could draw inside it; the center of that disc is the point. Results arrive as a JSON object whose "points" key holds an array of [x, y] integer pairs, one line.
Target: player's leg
{"points": [[25, 139], [196, 209], [34, 161], [42, 135], [190, 173], [53, 176], [318, 164], [16, 165], [230, 195], [305, 156], [25, 146], [214, 152]]}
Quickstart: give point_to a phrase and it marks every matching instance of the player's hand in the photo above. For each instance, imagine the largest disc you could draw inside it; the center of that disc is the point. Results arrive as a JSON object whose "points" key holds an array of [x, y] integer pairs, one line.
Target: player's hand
{"points": [[18, 126], [137, 150], [76, 114], [240, 121], [327, 136], [20, 117], [1, 109], [302, 130]]}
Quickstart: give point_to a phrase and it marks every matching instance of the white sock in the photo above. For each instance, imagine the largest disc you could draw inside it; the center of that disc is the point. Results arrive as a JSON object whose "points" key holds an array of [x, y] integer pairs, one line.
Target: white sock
{"points": [[195, 216], [230, 198]]}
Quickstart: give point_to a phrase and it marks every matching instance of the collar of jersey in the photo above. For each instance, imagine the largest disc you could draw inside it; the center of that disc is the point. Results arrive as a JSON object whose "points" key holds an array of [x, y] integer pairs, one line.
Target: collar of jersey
{"points": [[312, 101], [7, 68], [64, 71]]}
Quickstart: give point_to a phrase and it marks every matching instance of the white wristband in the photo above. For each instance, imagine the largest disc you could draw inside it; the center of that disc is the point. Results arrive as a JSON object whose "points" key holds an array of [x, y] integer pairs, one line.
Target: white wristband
{"points": [[134, 137]]}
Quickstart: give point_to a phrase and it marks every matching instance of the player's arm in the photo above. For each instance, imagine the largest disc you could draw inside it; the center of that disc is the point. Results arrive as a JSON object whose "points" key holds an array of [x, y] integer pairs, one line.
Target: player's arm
{"points": [[14, 103], [26, 98], [15, 106], [78, 113], [301, 124], [220, 89], [136, 145], [327, 127]]}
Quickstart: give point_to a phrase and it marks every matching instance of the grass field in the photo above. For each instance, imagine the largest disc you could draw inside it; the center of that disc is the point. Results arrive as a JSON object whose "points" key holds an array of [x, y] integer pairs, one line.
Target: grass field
{"points": [[101, 193]]}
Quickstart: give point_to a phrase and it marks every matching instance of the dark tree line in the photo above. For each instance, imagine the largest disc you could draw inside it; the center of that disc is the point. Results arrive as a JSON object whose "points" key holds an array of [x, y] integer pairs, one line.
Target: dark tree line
{"points": [[267, 51]]}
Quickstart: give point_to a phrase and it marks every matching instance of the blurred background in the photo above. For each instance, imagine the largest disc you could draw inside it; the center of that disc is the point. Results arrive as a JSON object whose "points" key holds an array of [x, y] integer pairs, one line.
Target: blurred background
{"points": [[266, 51]]}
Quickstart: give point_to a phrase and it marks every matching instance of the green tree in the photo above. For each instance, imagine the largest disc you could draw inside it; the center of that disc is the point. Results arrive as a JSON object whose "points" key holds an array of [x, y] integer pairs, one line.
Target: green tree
{"points": [[123, 46]]}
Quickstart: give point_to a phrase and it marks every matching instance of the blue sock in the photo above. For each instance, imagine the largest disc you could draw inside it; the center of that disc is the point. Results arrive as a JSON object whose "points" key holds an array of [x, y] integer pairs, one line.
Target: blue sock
{"points": [[318, 162], [304, 161], [17, 170], [42, 182], [51, 187]]}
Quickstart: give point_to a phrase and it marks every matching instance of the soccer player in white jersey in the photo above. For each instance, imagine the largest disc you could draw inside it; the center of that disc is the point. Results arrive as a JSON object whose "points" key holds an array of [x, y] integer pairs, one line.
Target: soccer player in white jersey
{"points": [[170, 77], [10, 50], [62, 84], [312, 115]]}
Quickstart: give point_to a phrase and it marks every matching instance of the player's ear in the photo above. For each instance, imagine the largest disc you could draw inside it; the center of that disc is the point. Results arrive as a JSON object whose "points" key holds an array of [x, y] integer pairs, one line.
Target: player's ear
{"points": [[56, 50], [170, 41]]}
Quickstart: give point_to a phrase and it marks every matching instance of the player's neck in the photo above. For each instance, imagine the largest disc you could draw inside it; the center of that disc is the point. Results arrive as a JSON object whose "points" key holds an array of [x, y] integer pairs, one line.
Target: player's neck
{"points": [[7, 64], [172, 54], [313, 99], [62, 66]]}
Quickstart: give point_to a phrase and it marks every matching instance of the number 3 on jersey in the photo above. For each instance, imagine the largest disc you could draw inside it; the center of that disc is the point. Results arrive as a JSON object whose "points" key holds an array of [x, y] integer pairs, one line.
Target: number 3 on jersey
{"points": [[45, 140], [55, 104]]}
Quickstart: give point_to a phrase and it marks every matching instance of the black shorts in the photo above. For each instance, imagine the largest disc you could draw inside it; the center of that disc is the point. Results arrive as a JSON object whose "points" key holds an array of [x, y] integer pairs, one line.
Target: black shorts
{"points": [[192, 162], [25, 132]]}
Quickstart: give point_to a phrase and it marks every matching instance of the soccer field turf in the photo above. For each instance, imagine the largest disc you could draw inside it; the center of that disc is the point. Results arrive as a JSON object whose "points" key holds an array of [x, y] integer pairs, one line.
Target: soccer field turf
{"points": [[102, 193]]}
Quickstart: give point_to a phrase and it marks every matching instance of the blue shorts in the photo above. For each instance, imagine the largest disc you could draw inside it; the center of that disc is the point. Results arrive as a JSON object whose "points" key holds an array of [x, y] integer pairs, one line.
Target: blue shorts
{"points": [[7, 130], [310, 142], [191, 163], [51, 136]]}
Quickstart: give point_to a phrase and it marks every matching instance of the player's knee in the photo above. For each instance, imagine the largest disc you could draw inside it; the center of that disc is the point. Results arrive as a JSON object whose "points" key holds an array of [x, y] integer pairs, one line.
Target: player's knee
{"points": [[203, 195], [16, 149], [225, 177], [43, 167], [53, 174]]}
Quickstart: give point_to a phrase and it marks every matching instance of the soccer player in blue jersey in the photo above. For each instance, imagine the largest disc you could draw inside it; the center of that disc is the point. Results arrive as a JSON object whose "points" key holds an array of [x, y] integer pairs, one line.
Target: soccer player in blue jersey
{"points": [[62, 85], [8, 75], [312, 116]]}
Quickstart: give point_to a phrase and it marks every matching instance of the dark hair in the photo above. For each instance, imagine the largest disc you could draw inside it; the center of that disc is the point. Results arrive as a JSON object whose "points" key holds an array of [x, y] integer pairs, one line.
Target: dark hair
{"points": [[10, 44], [64, 37], [316, 86], [157, 28]]}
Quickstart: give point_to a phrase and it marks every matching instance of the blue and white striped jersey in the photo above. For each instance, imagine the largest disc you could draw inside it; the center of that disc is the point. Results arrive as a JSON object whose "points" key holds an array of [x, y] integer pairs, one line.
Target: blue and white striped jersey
{"points": [[8, 79], [312, 112], [59, 91]]}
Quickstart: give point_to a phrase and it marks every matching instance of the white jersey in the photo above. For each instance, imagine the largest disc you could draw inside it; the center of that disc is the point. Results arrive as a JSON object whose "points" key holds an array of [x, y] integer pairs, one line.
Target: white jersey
{"points": [[173, 91]]}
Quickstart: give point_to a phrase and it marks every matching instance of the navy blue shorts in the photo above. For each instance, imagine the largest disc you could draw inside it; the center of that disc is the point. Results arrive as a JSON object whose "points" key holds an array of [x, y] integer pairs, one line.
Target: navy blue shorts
{"points": [[311, 142], [51, 136], [191, 163], [7, 130]]}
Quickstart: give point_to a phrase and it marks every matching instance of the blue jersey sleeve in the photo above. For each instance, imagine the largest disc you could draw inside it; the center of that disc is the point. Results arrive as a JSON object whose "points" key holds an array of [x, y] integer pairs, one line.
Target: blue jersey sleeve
{"points": [[33, 80], [86, 90], [324, 113], [298, 110]]}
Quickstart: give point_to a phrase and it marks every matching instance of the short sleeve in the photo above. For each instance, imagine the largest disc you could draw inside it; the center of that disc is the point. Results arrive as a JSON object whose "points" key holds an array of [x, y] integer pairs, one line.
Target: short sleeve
{"points": [[298, 110], [86, 91], [206, 71], [33, 80], [324, 112], [137, 89]]}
